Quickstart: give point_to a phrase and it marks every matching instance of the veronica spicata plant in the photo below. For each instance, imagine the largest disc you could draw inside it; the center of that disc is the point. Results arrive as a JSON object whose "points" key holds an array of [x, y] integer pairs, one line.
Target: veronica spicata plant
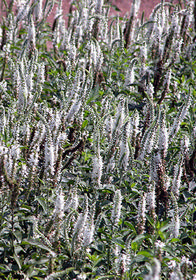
{"points": [[97, 141]]}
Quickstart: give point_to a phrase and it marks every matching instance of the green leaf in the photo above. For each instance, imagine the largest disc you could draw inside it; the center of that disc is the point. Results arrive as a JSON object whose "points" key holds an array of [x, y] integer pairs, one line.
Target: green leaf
{"points": [[119, 242], [105, 277], [174, 240], [17, 261], [145, 253], [134, 246], [169, 250], [140, 237], [38, 244], [42, 203], [130, 225], [84, 124]]}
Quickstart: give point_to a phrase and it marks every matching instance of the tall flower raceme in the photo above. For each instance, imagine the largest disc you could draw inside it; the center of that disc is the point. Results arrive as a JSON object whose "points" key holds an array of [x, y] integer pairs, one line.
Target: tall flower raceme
{"points": [[49, 155], [130, 26], [177, 177], [143, 58], [179, 117], [31, 34], [124, 146], [159, 245], [14, 67], [58, 27], [41, 70], [9, 39], [65, 41], [23, 91], [158, 175], [98, 13], [119, 117], [97, 169], [59, 138], [117, 205], [49, 152], [185, 23], [159, 18], [163, 135], [110, 167], [3, 87], [32, 163], [30, 67], [162, 22], [23, 74], [175, 218], [130, 77], [73, 110], [127, 253], [38, 234], [169, 41], [81, 276], [38, 12], [185, 265], [72, 202], [56, 275], [72, 56], [55, 125], [82, 218], [149, 140], [10, 160], [155, 272], [98, 6], [166, 84], [116, 252], [177, 49], [3, 119], [97, 56], [59, 205], [108, 127], [149, 117], [25, 133], [116, 38], [80, 226], [88, 234], [141, 214], [73, 90], [124, 263], [175, 273], [78, 35], [150, 105], [22, 11], [151, 201], [134, 127], [38, 136], [88, 20], [29, 80], [85, 17], [185, 143]]}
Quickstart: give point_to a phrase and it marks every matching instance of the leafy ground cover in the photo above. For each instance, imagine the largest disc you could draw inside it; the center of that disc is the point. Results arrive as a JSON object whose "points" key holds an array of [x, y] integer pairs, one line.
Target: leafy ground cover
{"points": [[97, 142]]}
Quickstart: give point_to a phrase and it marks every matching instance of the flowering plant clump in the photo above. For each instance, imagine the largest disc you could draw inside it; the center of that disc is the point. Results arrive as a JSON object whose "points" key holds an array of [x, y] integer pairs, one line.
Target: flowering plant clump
{"points": [[97, 141]]}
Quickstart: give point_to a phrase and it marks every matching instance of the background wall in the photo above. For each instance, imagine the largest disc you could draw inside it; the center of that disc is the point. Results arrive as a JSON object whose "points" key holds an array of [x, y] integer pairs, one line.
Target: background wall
{"points": [[124, 5]]}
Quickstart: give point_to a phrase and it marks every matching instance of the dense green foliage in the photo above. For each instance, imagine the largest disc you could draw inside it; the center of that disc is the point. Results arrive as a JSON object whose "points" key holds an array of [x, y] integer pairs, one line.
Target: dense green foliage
{"points": [[97, 142]]}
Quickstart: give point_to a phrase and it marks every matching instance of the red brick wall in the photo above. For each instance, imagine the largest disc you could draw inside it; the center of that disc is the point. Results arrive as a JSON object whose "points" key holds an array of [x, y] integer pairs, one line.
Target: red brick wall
{"points": [[124, 5]]}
